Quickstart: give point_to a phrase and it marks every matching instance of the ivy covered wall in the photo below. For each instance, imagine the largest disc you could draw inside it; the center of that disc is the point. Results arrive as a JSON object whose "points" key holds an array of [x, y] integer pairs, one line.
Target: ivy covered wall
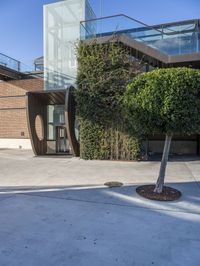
{"points": [[104, 70]]}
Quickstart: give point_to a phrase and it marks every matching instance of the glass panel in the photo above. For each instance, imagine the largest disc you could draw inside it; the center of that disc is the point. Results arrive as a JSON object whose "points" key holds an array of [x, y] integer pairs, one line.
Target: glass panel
{"points": [[62, 144], [14, 64], [9, 62], [55, 117], [116, 24], [61, 33], [171, 39]]}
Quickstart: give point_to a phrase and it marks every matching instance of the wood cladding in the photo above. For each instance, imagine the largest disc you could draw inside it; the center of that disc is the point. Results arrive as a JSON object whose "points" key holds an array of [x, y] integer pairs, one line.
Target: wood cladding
{"points": [[37, 105]]}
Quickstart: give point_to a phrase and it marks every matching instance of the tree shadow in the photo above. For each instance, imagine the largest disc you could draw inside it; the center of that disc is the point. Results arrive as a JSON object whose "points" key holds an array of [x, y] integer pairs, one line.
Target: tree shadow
{"points": [[122, 196], [95, 225]]}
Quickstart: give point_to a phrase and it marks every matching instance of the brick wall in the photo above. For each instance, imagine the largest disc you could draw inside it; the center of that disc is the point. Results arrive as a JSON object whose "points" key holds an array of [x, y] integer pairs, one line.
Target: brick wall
{"points": [[13, 123], [20, 87], [13, 102]]}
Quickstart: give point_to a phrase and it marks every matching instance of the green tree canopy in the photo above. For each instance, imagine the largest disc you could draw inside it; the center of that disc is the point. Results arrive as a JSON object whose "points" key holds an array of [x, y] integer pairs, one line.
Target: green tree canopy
{"points": [[165, 101]]}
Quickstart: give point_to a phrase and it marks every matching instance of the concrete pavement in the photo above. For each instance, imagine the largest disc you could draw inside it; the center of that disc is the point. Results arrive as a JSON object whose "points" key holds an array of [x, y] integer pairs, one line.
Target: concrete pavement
{"points": [[21, 168], [56, 211]]}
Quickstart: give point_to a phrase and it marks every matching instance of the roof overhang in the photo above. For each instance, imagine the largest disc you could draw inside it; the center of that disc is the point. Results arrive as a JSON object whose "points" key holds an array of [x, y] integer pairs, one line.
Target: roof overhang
{"points": [[147, 53], [49, 97], [9, 74]]}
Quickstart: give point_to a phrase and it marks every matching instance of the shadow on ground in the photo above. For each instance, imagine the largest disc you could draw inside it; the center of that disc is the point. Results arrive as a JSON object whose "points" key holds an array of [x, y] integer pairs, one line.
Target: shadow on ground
{"points": [[124, 196], [97, 226], [175, 158]]}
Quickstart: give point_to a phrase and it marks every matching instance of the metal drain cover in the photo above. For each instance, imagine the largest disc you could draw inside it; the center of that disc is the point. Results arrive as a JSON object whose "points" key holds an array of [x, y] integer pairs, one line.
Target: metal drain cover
{"points": [[113, 184]]}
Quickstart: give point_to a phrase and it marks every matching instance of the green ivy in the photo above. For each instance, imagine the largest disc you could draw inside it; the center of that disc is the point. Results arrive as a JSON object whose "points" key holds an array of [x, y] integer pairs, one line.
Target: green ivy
{"points": [[104, 70]]}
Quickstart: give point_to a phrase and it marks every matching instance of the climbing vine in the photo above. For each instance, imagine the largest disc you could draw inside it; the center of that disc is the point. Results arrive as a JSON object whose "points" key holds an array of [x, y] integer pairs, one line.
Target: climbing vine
{"points": [[104, 70]]}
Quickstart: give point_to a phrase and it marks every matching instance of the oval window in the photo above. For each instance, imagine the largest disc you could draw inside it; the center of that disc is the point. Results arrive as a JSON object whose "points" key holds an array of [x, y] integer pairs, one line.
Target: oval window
{"points": [[39, 127]]}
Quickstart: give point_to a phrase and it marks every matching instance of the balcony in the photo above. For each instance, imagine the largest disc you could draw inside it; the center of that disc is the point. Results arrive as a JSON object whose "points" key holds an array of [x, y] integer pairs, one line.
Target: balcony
{"points": [[168, 43]]}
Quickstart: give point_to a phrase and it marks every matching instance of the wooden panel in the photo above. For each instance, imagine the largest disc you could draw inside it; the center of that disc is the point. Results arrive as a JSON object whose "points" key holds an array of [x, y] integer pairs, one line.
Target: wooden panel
{"points": [[70, 113], [35, 106]]}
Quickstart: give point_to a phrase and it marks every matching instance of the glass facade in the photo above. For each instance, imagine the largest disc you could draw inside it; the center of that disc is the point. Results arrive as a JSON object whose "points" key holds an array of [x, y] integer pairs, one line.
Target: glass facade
{"points": [[55, 117], [172, 39], [57, 141], [61, 33]]}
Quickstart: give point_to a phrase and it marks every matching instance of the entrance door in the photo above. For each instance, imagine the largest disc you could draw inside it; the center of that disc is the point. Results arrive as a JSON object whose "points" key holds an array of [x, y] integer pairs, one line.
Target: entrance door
{"points": [[62, 145]]}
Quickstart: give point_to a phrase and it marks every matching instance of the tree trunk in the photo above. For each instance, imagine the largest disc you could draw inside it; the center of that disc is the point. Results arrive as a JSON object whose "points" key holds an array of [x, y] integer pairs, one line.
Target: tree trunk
{"points": [[161, 177]]}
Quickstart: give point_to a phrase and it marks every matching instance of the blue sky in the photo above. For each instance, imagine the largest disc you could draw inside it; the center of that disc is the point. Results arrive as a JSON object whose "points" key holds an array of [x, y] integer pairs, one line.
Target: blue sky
{"points": [[21, 21]]}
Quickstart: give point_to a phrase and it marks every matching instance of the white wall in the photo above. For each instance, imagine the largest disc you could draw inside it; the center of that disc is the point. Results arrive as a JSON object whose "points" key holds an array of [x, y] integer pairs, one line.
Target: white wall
{"points": [[15, 144]]}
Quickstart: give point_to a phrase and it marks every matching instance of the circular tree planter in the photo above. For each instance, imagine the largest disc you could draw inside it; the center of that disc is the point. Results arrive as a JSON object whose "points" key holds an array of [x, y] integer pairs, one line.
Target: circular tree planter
{"points": [[168, 194]]}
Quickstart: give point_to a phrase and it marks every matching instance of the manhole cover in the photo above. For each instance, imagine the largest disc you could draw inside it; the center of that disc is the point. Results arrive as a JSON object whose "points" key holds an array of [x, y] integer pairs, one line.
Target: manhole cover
{"points": [[113, 184]]}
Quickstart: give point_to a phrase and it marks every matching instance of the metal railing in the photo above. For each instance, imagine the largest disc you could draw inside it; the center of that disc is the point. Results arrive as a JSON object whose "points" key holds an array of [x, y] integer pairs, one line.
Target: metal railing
{"points": [[176, 38], [119, 16], [15, 65], [9, 62]]}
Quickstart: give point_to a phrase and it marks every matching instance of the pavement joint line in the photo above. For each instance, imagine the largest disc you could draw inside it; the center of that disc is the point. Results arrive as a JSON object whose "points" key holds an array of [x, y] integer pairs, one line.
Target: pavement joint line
{"points": [[112, 204], [45, 188], [196, 181]]}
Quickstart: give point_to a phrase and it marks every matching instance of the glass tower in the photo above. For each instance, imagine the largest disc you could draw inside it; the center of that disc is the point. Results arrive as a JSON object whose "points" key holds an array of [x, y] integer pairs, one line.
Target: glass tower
{"points": [[61, 34]]}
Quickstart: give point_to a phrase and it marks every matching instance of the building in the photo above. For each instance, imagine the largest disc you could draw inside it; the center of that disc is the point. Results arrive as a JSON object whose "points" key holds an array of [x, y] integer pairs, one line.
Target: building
{"points": [[13, 88], [65, 23]]}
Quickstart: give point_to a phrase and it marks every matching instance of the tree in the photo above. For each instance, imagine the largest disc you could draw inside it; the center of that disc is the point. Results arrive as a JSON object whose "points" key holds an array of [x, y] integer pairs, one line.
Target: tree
{"points": [[164, 101]]}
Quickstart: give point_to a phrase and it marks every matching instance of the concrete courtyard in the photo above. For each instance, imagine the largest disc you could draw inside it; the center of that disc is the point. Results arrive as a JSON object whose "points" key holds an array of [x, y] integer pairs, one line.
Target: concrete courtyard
{"points": [[56, 211]]}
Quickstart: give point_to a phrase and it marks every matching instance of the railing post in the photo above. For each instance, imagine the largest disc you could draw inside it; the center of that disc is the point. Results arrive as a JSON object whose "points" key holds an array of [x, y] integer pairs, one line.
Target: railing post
{"points": [[19, 66], [198, 36]]}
